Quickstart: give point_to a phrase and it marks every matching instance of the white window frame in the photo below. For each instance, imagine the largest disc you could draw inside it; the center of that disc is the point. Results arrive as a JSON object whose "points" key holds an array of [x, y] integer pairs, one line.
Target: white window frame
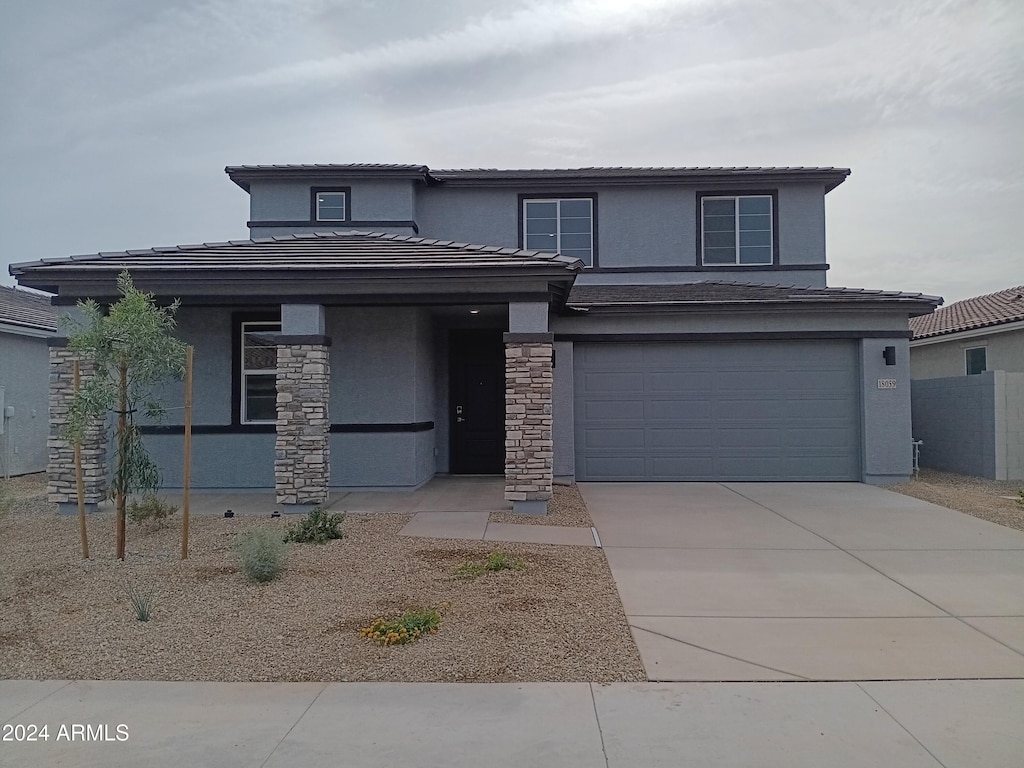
{"points": [[967, 367], [344, 211], [558, 223], [736, 243], [254, 326]]}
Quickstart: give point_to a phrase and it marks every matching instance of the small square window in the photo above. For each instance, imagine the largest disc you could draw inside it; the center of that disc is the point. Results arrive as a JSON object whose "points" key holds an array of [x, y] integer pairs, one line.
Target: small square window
{"points": [[330, 206], [975, 360]]}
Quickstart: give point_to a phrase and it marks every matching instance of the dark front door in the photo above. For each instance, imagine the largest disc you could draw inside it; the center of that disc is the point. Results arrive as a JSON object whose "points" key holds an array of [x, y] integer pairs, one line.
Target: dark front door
{"points": [[477, 405]]}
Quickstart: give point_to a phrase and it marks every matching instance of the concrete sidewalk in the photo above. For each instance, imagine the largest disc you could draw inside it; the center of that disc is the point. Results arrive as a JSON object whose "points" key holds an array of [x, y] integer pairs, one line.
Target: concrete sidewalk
{"points": [[926, 724], [810, 581]]}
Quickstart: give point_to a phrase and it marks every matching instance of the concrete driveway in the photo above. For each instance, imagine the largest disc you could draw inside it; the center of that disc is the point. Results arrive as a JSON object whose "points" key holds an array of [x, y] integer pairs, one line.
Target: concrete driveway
{"points": [[810, 581]]}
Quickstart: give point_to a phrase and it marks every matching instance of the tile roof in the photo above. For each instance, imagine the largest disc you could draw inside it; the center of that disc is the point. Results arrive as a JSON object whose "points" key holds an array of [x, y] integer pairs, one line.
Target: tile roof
{"points": [[1006, 306], [353, 250], [622, 170], [705, 292], [29, 310]]}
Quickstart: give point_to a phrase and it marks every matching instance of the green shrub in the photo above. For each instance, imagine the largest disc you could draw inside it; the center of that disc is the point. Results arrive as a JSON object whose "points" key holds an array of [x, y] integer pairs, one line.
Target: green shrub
{"points": [[498, 560], [261, 553], [408, 627], [151, 510], [1020, 498], [142, 602], [317, 527]]}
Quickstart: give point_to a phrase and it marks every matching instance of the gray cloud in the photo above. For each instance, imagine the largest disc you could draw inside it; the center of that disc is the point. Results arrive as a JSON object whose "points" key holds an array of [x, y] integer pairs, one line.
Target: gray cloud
{"points": [[118, 116]]}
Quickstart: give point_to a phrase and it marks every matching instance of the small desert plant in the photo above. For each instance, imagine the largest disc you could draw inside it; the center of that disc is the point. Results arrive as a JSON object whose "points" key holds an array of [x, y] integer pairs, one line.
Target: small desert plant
{"points": [[1020, 498], [498, 560], [261, 553], [317, 527], [408, 627], [142, 602], [150, 510]]}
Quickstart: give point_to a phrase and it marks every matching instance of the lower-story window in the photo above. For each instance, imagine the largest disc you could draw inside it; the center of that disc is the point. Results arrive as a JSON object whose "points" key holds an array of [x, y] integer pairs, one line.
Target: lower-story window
{"points": [[258, 394], [974, 359]]}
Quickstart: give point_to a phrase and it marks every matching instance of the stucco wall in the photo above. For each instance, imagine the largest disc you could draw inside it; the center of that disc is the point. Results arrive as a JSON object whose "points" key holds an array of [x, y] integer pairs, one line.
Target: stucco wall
{"points": [[886, 413], [370, 199], [24, 378], [637, 226], [1003, 352], [382, 363], [562, 427]]}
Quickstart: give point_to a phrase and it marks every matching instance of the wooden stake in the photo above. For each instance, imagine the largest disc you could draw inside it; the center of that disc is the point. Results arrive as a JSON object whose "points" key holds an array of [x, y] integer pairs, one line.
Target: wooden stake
{"points": [[122, 469], [188, 453], [80, 481]]}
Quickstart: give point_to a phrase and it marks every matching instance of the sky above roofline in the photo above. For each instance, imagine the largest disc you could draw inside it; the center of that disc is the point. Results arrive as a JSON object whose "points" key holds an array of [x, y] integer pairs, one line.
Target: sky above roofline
{"points": [[120, 116]]}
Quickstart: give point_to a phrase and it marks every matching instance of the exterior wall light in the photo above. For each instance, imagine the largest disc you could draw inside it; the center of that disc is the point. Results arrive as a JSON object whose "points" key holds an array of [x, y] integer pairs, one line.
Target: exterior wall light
{"points": [[889, 353]]}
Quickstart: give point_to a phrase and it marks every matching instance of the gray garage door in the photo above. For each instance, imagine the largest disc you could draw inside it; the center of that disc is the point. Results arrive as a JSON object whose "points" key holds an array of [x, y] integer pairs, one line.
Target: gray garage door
{"points": [[786, 410]]}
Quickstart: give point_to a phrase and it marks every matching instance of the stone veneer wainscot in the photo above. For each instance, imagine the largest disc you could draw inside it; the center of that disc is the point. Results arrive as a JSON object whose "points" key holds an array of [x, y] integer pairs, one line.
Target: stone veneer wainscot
{"points": [[303, 449], [528, 446]]}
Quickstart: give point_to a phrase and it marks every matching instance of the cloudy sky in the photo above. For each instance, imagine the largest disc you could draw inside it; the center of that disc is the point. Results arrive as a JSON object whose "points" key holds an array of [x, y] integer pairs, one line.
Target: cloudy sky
{"points": [[118, 116]]}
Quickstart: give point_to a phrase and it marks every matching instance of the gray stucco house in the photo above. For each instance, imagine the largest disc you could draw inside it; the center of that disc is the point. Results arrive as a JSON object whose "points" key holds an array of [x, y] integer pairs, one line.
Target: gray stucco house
{"points": [[387, 323], [27, 320]]}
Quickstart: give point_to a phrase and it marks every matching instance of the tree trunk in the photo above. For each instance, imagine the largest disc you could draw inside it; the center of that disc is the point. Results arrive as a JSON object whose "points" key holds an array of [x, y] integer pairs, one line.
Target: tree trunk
{"points": [[121, 488]]}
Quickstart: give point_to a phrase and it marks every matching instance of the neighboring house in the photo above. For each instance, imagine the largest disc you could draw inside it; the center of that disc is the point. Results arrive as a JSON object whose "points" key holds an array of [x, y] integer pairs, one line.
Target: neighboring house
{"points": [[967, 363], [985, 333], [26, 321], [387, 323]]}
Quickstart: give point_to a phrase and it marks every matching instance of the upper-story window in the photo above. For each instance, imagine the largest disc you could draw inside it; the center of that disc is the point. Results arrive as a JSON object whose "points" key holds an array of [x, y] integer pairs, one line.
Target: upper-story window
{"points": [[974, 360], [737, 230], [330, 204], [564, 225]]}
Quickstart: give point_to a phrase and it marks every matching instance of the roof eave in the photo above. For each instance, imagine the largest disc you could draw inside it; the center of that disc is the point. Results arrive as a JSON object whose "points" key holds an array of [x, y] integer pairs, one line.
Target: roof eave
{"points": [[243, 175], [913, 306]]}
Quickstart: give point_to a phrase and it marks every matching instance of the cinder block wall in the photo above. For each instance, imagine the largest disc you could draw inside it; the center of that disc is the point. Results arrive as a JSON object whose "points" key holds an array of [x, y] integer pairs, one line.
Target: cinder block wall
{"points": [[1013, 390], [972, 425]]}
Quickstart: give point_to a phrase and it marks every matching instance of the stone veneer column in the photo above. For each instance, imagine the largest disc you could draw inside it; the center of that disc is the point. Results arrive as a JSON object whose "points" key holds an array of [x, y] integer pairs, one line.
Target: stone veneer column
{"points": [[61, 486], [528, 446], [302, 463]]}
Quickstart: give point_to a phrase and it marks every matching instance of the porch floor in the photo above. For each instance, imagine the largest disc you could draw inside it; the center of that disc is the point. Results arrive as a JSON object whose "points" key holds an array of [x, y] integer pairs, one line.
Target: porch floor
{"points": [[444, 493]]}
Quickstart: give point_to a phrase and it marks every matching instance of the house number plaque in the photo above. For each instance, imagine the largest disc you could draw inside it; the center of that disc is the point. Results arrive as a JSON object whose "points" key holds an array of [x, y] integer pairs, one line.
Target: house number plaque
{"points": [[887, 383]]}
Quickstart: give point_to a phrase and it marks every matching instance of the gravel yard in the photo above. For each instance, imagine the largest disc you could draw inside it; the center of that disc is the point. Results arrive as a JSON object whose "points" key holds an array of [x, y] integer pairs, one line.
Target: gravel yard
{"points": [[974, 495], [557, 619]]}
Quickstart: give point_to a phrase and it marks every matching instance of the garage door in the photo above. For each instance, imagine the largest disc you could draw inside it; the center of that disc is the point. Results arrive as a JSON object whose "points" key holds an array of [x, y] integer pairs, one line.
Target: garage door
{"points": [[785, 410]]}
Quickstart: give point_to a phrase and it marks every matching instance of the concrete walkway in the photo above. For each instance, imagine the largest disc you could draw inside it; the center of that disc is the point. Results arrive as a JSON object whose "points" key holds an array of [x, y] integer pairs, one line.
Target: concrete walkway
{"points": [[927, 724], [476, 525], [810, 581]]}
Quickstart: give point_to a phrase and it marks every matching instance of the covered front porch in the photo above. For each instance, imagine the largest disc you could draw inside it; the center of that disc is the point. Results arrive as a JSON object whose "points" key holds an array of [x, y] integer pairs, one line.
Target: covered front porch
{"points": [[339, 362]]}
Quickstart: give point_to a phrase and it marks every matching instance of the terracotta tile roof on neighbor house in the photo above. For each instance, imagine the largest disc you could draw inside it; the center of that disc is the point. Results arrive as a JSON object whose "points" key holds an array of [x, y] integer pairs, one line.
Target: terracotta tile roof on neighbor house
{"points": [[706, 292], [1006, 306], [25, 309]]}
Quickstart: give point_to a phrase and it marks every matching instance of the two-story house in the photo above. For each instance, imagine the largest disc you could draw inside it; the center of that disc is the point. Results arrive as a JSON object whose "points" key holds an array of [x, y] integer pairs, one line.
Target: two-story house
{"points": [[387, 323]]}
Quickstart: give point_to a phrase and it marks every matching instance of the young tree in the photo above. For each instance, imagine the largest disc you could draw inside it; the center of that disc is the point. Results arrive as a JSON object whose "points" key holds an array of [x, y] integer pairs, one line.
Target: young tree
{"points": [[133, 350]]}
